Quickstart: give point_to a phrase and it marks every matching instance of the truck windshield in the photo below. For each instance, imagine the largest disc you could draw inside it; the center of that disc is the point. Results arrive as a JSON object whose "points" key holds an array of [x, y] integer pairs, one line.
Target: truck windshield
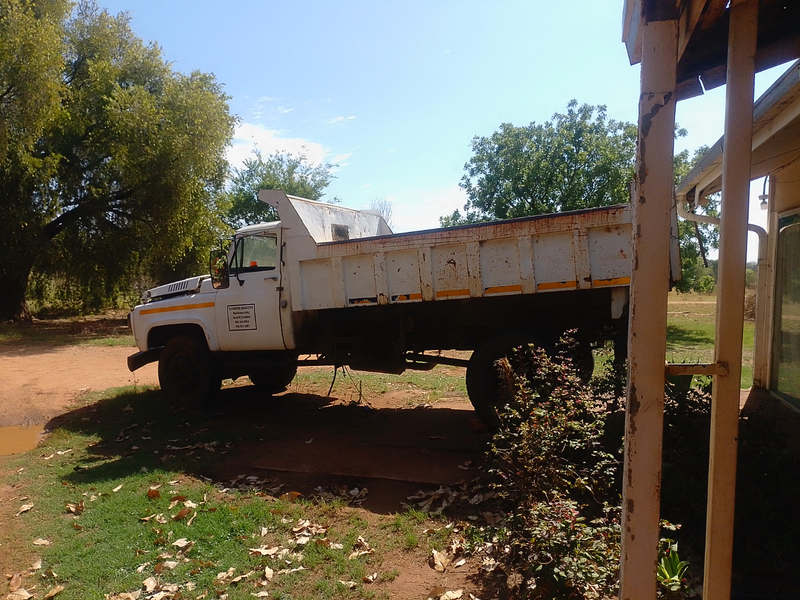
{"points": [[255, 253]]}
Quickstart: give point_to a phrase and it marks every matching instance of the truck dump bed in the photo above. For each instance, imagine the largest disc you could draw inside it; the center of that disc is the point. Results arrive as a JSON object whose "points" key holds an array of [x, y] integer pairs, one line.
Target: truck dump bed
{"points": [[347, 258]]}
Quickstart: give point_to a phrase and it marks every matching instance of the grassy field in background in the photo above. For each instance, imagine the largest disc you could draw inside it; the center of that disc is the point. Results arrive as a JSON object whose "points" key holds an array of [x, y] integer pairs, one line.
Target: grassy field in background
{"points": [[690, 333], [355, 386], [110, 329]]}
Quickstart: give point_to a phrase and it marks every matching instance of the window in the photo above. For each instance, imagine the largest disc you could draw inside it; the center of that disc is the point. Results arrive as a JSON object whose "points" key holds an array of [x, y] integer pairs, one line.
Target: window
{"points": [[255, 253], [786, 337]]}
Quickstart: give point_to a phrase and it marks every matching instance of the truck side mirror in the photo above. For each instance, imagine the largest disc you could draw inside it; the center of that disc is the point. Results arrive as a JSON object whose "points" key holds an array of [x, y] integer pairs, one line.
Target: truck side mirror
{"points": [[220, 278]]}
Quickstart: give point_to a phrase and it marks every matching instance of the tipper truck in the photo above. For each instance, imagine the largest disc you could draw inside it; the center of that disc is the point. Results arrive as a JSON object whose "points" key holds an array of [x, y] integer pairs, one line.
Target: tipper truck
{"points": [[328, 285]]}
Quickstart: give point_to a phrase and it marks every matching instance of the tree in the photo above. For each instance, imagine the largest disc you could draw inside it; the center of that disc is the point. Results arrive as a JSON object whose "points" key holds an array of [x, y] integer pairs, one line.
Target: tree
{"points": [[279, 171], [31, 62], [695, 238], [579, 159], [385, 207], [124, 172]]}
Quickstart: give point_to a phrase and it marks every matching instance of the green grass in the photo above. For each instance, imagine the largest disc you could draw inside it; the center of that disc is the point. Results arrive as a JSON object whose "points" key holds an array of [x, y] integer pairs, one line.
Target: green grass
{"points": [[690, 333], [75, 331], [105, 549], [425, 386]]}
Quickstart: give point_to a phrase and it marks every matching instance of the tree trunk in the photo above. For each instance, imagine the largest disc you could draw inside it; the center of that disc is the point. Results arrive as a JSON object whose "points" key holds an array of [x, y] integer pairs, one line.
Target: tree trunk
{"points": [[14, 273]]}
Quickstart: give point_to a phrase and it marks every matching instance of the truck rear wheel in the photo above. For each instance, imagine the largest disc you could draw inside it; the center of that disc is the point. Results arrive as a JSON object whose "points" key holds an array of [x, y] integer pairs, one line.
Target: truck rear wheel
{"points": [[482, 383], [273, 380], [187, 371]]}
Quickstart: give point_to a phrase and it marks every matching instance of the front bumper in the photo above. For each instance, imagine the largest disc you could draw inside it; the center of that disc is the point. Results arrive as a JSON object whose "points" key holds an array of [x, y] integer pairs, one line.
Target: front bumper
{"points": [[140, 359]]}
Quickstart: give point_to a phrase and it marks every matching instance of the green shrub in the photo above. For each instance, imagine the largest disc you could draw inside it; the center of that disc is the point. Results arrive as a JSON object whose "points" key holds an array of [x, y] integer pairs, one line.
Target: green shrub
{"points": [[560, 484]]}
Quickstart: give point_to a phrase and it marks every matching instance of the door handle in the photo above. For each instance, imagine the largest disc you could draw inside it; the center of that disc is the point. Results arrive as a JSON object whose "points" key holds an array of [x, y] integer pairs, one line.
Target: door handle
{"points": [[273, 278]]}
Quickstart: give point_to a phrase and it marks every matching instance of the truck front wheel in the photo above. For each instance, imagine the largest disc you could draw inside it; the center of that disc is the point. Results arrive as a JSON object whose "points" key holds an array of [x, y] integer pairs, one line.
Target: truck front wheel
{"points": [[273, 380], [187, 371]]}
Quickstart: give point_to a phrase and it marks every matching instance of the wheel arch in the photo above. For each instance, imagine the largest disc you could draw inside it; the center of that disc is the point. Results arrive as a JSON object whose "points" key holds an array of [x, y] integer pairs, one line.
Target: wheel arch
{"points": [[159, 335]]}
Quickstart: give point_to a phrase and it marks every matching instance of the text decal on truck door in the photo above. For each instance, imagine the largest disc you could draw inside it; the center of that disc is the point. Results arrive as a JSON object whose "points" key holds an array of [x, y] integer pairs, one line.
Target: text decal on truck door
{"points": [[241, 317]]}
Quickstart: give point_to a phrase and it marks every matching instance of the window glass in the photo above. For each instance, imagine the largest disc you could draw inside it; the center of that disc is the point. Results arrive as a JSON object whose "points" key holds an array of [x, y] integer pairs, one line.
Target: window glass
{"points": [[256, 253], [786, 340]]}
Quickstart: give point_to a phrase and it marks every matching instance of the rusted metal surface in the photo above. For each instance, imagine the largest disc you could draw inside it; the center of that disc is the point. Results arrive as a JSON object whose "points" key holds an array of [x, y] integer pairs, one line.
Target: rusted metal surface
{"points": [[543, 254], [648, 313], [542, 224], [696, 369]]}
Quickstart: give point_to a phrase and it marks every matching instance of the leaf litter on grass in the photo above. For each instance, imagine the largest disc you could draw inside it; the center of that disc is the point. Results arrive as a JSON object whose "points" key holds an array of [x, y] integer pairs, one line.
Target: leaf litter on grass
{"points": [[165, 577]]}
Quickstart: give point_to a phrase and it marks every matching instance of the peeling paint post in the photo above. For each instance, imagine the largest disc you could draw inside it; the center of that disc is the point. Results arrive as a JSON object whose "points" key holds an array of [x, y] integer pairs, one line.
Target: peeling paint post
{"points": [[648, 312], [730, 297]]}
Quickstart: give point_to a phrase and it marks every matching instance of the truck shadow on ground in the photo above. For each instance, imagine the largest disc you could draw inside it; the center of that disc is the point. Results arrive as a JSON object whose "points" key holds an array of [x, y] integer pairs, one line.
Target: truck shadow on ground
{"points": [[293, 442]]}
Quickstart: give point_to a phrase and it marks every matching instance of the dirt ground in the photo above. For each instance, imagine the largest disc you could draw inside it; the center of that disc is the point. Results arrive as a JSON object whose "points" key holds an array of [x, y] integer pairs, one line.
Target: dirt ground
{"points": [[40, 382], [394, 446]]}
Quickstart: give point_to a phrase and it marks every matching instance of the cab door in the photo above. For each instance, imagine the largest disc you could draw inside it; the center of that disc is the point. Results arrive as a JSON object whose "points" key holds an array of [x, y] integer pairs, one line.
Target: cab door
{"points": [[248, 311]]}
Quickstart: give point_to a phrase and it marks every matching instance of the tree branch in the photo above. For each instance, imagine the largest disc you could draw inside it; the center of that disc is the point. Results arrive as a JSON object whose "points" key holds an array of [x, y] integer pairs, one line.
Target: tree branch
{"points": [[8, 91]]}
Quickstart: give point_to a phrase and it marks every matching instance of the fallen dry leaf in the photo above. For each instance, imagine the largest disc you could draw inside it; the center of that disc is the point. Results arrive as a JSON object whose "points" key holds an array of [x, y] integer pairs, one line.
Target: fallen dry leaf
{"points": [[435, 593], [240, 577], [360, 548], [76, 508], [153, 494], [350, 585], [125, 596], [167, 565], [268, 573], [191, 519], [52, 593], [19, 594], [370, 578], [451, 595], [150, 584], [23, 509], [264, 551], [16, 582], [225, 575], [181, 514], [42, 542], [439, 561], [118, 488]]}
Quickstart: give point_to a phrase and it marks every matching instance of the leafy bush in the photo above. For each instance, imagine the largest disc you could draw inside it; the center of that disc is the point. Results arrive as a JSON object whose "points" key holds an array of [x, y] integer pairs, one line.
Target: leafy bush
{"points": [[559, 482]]}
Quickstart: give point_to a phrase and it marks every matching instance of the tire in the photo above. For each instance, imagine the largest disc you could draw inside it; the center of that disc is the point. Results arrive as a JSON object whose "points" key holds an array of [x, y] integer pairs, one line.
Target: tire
{"points": [[188, 372], [273, 380], [481, 379]]}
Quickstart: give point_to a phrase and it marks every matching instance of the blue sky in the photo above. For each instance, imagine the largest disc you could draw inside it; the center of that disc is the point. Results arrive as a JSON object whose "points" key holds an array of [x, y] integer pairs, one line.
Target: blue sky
{"points": [[392, 93]]}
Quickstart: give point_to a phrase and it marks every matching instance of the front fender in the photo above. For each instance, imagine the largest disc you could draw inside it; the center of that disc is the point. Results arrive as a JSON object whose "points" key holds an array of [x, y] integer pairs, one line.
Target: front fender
{"points": [[156, 322]]}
